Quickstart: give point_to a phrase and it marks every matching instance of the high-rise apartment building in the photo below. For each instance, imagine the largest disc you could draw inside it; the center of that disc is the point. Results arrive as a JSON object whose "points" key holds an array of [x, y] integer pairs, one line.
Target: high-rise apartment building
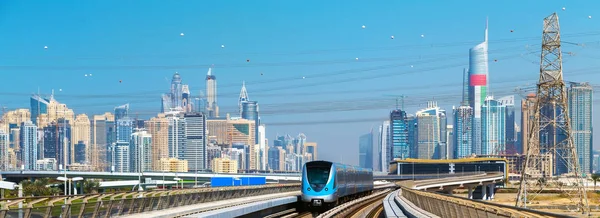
{"points": [[57, 137], [176, 134], [99, 145], [365, 150], [431, 124], [81, 134], [384, 137], [463, 143], [121, 158], [195, 151], [140, 150], [211, 95], [493, 121], [29, 145], [478, 83], [580, 111], [4, 146], [158, 127]]}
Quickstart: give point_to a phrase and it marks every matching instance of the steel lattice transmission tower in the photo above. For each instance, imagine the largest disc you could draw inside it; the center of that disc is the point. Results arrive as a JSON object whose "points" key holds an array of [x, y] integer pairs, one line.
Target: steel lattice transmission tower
{"points": [[550, 149]]}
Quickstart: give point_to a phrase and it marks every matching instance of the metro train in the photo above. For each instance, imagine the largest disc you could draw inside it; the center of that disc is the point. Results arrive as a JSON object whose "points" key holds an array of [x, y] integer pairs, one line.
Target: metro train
{"points": [[326, 184]]}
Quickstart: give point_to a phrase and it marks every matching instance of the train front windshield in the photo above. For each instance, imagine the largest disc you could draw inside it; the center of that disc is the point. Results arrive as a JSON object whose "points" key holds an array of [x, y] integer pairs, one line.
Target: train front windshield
{"points": [[317, 176]]}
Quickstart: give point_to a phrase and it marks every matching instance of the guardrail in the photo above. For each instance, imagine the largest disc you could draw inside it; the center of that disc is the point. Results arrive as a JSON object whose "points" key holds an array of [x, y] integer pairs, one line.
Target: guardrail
{"points": [[110, 205], [449, 206]]}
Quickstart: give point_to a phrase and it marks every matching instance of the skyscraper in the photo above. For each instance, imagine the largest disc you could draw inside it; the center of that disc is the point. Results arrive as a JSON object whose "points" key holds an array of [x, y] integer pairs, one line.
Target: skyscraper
{"points": [[81, 134], [121, 158], [527, 116], [450, 142], [511, 134], [250, 112], [4, 160], [186, 103], [158, 127], [400, 147], [463, 123], [478, 84], [56, 141], [141, 152], [365, 147], [429, 132], [195, 151], [263, 147], [580, 112], [39, 106], [121, 112], [99, 144], [311, 148], [242, 132], [176, 135], [493, 118], [176, 91], [243, 98], [463, 142], [29, 145], [211, 95], [384, 137]]}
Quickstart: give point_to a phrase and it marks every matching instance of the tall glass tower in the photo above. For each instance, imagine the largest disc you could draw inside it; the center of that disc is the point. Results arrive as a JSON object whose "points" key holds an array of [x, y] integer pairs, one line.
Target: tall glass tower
{"points": [[398, 136], [39, 106], [478, 85], [493, 128], [580, 112], [29, 145], [365, 150]]}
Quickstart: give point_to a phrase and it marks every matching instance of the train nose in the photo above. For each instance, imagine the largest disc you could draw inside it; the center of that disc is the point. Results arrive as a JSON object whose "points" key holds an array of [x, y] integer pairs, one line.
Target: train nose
{"points": [[318, 187]]}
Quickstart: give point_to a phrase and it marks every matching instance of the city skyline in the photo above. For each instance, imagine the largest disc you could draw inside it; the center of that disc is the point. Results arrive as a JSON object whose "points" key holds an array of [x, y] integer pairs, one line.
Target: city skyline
{"points": [[281, 83]]}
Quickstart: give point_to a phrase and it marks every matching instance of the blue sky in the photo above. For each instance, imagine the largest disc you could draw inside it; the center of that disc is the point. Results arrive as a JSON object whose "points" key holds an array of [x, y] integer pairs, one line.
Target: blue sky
{"points": [[139, 43]]}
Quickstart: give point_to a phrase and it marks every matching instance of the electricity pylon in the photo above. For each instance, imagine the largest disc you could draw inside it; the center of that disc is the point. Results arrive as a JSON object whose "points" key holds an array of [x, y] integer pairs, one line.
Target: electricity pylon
{"points": [[550, 149]]}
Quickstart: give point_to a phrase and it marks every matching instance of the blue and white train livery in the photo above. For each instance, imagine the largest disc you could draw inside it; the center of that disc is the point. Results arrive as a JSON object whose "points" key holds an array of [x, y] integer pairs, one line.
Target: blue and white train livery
{"points": [[326, 184]]}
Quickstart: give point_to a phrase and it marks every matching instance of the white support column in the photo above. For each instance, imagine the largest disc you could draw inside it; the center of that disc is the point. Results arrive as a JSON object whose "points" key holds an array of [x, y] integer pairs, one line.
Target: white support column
{"points": [[484, 192], [470, 195], [491, 190]]}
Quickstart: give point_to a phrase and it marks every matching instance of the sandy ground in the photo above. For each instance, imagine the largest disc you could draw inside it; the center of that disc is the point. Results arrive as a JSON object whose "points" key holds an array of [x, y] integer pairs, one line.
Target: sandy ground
{"points": [[546, 199]]}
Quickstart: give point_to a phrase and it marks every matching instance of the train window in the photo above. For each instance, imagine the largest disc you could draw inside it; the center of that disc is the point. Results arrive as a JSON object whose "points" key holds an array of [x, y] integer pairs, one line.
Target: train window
{"points": [[317, 176]]}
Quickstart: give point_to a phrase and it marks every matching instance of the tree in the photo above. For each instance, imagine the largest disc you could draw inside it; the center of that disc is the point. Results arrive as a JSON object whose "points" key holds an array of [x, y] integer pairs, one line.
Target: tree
{"points": [[90, 186], [39, 187], [595, 178]]}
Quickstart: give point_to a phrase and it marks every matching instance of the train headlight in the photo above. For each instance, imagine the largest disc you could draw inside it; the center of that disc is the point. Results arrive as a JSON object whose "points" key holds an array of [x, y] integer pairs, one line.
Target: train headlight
{"points": [[308, 189], [326, 189]]}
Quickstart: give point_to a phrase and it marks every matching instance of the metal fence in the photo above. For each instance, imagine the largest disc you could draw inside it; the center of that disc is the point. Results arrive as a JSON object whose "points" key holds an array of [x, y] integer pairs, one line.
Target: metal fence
{"points": [[448, 206], [110, 205]]}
